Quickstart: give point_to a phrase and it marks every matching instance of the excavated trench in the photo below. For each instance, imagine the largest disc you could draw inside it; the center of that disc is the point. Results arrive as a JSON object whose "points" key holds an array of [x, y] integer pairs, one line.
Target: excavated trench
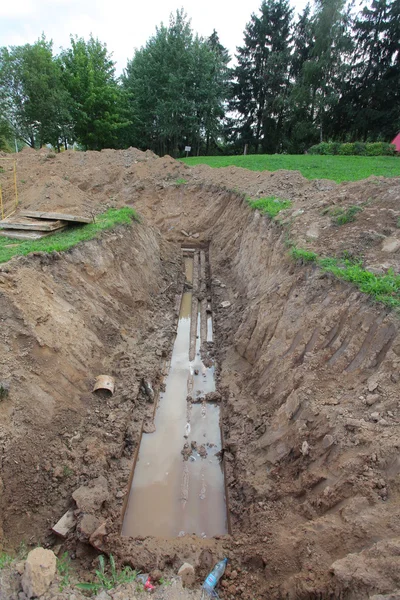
{"points": [[178, 486], [308, 377]]}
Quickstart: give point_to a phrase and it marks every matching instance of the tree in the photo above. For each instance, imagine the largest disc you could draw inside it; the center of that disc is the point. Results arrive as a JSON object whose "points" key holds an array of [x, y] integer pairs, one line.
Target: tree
{"points": [[370, 106], [88, 75], [177, 85], [32, 98], [261, 79]]}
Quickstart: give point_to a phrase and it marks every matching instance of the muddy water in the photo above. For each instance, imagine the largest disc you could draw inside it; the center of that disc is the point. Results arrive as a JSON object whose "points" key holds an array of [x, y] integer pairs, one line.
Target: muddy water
{"points": [[170, 497]]}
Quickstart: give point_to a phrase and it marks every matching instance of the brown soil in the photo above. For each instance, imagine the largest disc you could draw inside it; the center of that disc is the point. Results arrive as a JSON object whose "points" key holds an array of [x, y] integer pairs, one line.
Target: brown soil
{"points": [[308, 371]]}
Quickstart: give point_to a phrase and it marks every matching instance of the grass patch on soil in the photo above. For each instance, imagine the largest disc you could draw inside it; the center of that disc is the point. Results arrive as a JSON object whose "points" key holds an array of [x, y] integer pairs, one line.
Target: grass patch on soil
{"points": [[65, 240], [109, 578], [382, 288], [341, 216], [270, 206], [337, 168], [5, 559]]}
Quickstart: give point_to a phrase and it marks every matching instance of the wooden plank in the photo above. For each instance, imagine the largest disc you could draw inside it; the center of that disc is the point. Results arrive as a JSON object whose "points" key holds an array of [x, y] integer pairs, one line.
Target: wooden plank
{"points": [[30, 224], [56, 216], [15, 234]]}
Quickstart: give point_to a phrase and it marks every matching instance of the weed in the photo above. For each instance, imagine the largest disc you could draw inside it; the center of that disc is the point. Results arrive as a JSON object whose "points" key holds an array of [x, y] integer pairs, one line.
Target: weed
{"points": [[23, 180], [304, 256], [270, 206], [63, 568], [398, 222], [113, 578], [4, 390], [67, 471], [164, 581], [180, 181], [337, 168], [5, 559], [341, 216], [65, 240]]}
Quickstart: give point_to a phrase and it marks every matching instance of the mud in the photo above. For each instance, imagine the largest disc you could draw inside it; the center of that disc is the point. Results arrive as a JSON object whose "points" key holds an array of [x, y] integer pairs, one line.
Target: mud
{"points": [[307, 370]]}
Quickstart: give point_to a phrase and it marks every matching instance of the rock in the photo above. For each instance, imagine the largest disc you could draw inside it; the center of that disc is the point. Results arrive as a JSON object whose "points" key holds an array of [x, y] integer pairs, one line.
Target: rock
{"points": [[305, 448], [185, 233], [97, 538], [372, 384], [375, 416], [149, 427], [20, 566], [213, 397], [327, 441], [65, 524], [371, 399], [225, 304], [148, 388], [187, 574], [103, 596], [195, 235], [156, 575], [87, 525], [39, 572], [202, 451], [90, 498], [390, 245], [233, 575]]}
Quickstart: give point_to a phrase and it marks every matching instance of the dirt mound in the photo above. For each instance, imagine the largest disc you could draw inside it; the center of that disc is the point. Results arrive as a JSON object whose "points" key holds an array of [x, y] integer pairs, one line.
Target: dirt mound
{"points": [[55, 194]]}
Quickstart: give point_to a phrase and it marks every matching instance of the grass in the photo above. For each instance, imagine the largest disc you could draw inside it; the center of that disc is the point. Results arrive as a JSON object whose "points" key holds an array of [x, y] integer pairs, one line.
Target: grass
{"points": [[109, 579], [337, 168], [65, 240], [63, 569], [180, 181], [5, 559], [270, 206], [340, 216], [382, 288]]}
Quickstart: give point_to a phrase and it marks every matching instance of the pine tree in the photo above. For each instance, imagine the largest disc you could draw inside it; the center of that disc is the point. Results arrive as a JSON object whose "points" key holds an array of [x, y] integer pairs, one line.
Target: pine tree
{"points": [[261, 79]]}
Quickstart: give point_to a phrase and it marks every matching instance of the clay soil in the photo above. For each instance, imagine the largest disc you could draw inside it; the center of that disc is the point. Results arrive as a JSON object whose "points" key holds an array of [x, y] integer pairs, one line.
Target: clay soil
{"points": [[308, 369]]}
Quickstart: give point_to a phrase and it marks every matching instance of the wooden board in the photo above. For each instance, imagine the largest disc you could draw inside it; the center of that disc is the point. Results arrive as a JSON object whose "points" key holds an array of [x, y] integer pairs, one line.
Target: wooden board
{"points": [[30, 224], [16, 234], [56, 216]]}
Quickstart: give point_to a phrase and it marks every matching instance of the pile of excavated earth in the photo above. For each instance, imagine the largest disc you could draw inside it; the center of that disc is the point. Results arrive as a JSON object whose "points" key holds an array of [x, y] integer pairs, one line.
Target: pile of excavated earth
{"points": [[308, 369]]}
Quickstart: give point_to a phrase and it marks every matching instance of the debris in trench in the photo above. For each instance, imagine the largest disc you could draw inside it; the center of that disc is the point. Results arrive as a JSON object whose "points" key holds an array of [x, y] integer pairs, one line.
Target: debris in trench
{"points": [[148, 390], [65, 524], [104, 382], [213, 578], [149, 427], [187, 430]]}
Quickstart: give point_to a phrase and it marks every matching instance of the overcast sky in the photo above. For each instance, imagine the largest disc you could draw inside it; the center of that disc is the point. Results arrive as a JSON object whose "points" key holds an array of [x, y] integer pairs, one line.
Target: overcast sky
{"points": [[122, 24]]}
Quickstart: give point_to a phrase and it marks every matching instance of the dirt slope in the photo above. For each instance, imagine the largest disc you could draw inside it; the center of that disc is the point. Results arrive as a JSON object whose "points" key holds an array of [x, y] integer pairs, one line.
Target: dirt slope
{"points": [[308, 367]]}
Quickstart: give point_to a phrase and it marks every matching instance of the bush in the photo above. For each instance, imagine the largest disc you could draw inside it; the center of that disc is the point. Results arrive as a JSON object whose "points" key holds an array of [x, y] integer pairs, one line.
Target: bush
{"points": [[380, 149], [346, 149], [356, 148]]}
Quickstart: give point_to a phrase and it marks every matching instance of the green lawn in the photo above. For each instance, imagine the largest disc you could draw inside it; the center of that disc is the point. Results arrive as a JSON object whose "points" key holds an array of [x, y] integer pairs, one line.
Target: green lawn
{"points": [[338, 168], [65, 240]]}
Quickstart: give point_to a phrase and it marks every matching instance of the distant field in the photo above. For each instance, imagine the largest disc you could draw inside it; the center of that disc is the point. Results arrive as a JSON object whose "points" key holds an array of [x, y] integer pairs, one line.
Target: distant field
{"points": [[338, 168]]}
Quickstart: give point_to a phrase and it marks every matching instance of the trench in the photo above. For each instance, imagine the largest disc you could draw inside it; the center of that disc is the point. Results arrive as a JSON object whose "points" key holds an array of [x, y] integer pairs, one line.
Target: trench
{"points": [[178, 483]]}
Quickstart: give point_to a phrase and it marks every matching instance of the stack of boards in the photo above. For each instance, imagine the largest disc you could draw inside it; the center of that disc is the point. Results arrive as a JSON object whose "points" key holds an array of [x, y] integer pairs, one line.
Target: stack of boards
{"points": [[34, 225]]}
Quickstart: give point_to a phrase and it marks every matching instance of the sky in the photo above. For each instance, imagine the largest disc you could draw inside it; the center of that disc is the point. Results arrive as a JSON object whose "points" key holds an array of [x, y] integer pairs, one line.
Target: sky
{"points": [[122, 24]]}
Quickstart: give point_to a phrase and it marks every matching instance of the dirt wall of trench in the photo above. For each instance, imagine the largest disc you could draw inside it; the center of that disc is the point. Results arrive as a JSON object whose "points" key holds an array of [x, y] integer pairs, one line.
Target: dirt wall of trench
{"points": [[310, 370], [65, 319]]}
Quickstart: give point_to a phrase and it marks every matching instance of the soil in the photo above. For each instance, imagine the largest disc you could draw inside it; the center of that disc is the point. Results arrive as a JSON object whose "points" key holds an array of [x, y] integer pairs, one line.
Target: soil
{"points": [[308, 372]]}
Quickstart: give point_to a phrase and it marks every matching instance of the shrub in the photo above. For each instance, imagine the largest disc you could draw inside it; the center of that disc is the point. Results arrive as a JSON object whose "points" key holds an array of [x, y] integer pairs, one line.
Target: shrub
{"points": [[346, 149], [356, 148]]}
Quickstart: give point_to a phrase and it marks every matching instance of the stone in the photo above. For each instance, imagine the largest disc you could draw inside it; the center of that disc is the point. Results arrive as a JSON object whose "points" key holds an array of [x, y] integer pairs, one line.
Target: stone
{"points": [[65, 524], [39, 572], [185, 233], [87, 525], [372, 384], [90, 498], [195, 235], [327, 441], [187, 574], [213, 397], [97, 538], [225, 304], [305, 448], [371, 399], [390, 245], [375, 416]]}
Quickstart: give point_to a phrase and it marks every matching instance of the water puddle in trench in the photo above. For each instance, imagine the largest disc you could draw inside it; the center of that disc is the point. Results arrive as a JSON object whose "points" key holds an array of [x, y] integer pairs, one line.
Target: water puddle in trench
{"points": [[169, 496]]}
